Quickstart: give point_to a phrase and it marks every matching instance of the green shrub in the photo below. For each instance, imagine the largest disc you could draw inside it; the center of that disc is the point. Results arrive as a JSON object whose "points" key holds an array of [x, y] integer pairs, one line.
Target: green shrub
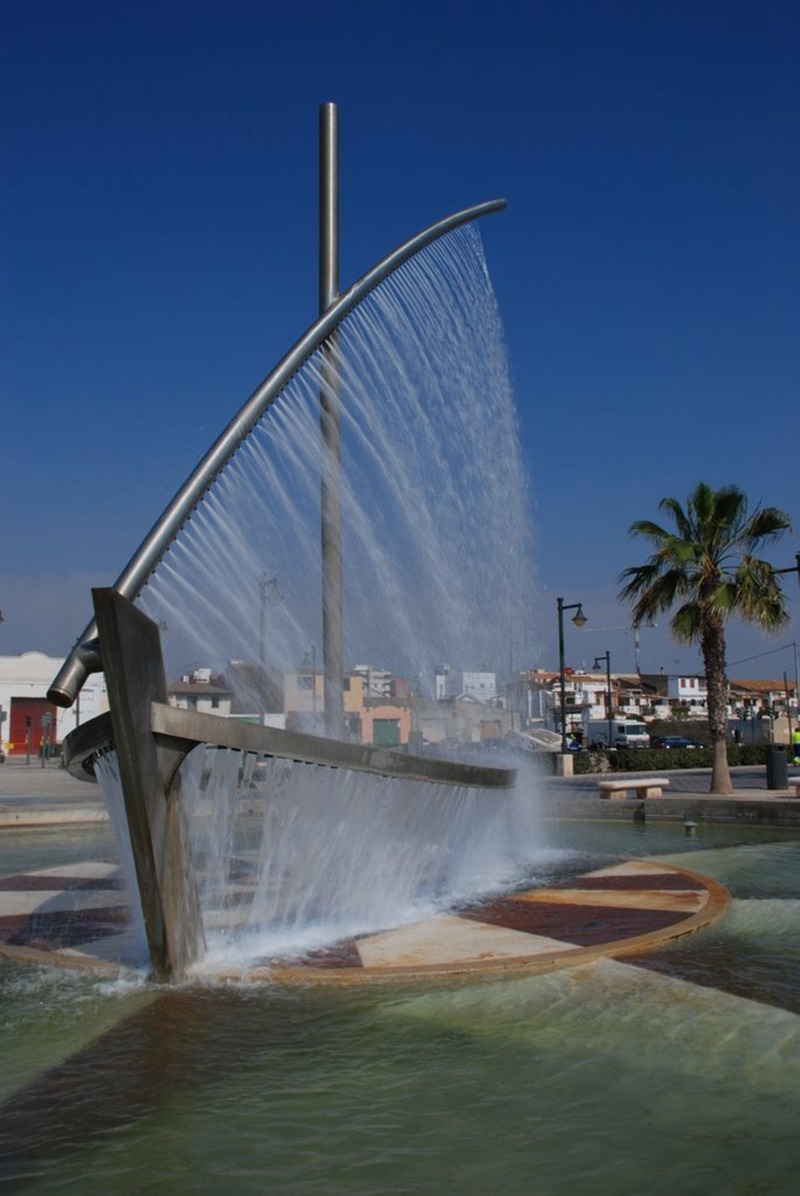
{"points": [[585, 762], [748, 753], [658, 759]]}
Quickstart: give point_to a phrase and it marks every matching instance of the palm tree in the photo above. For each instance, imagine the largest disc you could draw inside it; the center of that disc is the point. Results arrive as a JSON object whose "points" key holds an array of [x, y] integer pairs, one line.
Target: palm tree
{"points": [[708, 568]]}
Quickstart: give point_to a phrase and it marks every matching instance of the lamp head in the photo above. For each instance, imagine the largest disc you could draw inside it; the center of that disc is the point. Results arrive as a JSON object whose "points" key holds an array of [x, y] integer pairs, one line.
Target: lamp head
{"points": [[579, 618]]}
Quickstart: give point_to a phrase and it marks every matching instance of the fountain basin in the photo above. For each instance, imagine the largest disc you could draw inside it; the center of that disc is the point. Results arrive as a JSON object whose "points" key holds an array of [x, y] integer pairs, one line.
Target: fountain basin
{"points": [[77, 916]]}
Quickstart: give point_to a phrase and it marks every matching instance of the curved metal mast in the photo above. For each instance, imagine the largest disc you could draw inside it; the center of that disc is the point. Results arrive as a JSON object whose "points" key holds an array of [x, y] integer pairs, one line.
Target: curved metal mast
{"points": [[83, 660]]}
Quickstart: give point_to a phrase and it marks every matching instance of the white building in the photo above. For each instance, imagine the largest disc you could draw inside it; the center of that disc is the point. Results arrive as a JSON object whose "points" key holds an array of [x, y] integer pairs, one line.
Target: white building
{"points": [[482, 687], [201, 692], [691, 693], [441, 674], [586, 697], [28, 716]]}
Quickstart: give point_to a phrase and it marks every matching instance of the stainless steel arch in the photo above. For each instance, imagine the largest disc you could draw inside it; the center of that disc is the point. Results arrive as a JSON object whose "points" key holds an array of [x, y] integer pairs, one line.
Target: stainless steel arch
{"points": [[73, 673]]}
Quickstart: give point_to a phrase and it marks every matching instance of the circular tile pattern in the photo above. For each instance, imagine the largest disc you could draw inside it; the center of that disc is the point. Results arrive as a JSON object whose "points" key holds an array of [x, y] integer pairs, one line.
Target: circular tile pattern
{"points": [[76, 916]]}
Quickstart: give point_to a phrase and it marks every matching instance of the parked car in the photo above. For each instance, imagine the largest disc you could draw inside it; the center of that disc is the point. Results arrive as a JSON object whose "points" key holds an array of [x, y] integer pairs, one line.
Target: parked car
{"points": [[673, 741]]}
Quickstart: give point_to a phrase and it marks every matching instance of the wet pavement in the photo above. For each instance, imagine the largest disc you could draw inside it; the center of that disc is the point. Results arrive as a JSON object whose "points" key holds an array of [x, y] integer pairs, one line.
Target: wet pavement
{"points": [[31, 795]]}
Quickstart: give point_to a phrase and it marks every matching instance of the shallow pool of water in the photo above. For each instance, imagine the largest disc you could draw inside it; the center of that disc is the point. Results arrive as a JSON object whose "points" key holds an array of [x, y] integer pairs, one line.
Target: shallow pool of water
{"points": [[611, 1078], [45, 847]]}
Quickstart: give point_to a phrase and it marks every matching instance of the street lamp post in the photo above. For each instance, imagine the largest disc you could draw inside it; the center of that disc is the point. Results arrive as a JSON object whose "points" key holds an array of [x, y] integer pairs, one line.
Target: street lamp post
{"points": [[796, 693], [579, 619], [795, 568], [606, 656]]}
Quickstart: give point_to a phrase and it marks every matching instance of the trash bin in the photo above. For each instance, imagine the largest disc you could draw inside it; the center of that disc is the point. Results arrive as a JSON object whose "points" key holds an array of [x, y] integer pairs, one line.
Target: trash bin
{"points": [[777, 766]]}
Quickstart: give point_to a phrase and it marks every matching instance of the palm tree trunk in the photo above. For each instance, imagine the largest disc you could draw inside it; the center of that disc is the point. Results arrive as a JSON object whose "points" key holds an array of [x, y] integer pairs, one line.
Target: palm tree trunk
{"points": [[713, 649]]}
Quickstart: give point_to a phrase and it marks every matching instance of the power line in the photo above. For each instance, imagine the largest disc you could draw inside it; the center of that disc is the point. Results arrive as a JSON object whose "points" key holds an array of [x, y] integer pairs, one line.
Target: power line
{"points": [[758, 656]]}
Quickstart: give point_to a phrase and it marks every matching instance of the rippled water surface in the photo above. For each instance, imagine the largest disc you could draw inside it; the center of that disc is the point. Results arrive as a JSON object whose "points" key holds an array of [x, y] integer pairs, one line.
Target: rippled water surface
{"points": [[682, 1076]]}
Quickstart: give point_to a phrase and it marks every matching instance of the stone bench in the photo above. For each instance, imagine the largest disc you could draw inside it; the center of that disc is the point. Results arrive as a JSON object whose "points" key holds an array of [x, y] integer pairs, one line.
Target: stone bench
{"points": [[794, 783], [646, 786]]}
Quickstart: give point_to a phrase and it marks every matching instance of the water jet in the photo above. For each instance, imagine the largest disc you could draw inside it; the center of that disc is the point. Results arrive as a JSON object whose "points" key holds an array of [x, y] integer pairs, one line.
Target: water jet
{"points": [[357, 346]]}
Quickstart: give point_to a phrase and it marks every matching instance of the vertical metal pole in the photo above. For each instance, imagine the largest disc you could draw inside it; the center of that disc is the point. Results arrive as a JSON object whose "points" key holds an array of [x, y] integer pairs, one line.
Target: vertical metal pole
{"points": [[562, 684], [262, 648], [330, 420], [328, 206], [609, 713]]}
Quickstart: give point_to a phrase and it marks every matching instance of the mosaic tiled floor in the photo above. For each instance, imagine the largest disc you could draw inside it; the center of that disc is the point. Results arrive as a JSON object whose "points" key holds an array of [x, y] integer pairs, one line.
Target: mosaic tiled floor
{"points": [[77, 916], [72, 914], [623, 908]]}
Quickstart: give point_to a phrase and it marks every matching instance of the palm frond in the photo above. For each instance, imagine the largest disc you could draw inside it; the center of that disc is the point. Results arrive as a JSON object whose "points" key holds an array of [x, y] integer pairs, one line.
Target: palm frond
{"points": [[651, 590], [687, 623], [759, 597], [681, 518], [724, 598], [701, 502], [729, 507], [764, 526], [646, 527]]}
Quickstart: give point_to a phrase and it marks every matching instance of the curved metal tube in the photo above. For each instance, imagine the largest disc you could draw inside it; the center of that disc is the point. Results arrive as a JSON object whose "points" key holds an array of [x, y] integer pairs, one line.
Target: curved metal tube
{"points": [[73, 673]]}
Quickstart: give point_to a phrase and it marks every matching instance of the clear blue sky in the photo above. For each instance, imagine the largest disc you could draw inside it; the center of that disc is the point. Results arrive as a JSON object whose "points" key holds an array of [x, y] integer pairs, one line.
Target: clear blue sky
{"points": [[159, 217]]}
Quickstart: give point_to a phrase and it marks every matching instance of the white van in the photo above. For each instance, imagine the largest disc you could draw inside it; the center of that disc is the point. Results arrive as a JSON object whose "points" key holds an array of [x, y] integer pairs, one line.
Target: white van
{"points": [[625, 733]]}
